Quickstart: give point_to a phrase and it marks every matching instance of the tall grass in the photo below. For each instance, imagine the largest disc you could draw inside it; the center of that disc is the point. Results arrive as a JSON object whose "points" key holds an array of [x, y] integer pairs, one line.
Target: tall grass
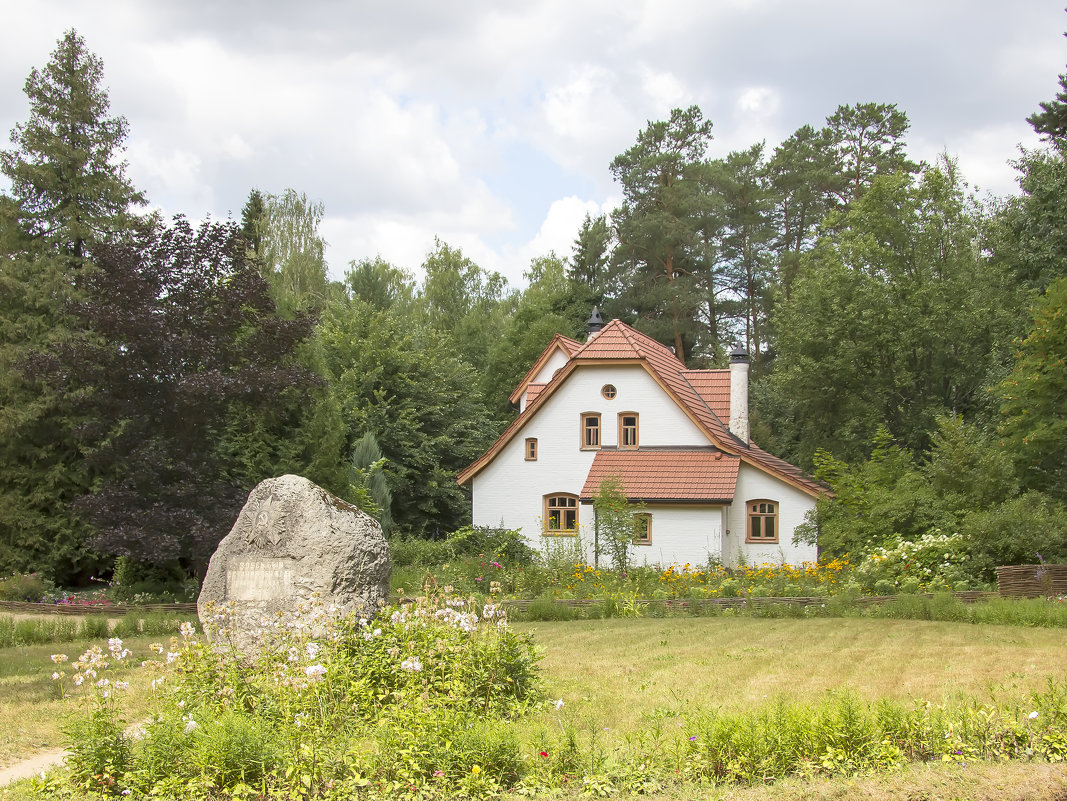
{"points": [[944, 607], [42, 631]]}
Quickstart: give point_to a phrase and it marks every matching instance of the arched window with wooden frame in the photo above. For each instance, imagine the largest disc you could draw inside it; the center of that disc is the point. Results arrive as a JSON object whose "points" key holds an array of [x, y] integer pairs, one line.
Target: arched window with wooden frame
{"points": [[628, 430], [561, 514], [762, 521]]}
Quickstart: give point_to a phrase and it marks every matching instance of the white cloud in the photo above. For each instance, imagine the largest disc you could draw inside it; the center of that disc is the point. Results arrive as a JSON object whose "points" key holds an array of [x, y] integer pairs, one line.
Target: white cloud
{"points": [[400, 116]]}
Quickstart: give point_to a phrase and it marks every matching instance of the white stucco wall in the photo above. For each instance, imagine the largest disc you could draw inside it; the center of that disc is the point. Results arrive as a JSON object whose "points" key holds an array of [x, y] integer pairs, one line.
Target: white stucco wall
{"points": [[510, 491], [753, 484], [556, 361], [681, 534]]}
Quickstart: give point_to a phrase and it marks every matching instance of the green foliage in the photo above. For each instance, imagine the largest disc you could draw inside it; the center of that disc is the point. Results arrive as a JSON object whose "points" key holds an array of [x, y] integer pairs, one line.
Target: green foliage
{"points": [[1051, 121], [1035, 397], [70, 193], [658, 226], [291, 249], [590, 257], [370, 490], [855, 346], [615, 522], [866, 140], [416, 698], [874, 502], [1016, 532], [380, 284], [30, 631], [139, 582], [65, 171], [843, 735], [934, 561], [462, 302], [551, 304], [183, 332], [31, 587], [406, 384]]}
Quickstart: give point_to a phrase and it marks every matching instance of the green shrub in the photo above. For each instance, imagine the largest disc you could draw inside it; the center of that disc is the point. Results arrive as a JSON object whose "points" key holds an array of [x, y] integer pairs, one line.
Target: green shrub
{"points": [[415, 698], [95, 627], [545, 609], [410, 552], [31, 587], [503, 544]]}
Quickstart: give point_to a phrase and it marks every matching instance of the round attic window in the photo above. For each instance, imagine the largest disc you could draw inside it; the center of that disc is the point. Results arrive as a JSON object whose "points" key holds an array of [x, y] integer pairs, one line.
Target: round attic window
{"points": [[609, 391]]}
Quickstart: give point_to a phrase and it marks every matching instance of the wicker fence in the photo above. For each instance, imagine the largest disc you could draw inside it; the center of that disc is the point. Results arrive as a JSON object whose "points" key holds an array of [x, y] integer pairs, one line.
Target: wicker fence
{"points": [[737, 603], [111, 610], [1032, 581]]}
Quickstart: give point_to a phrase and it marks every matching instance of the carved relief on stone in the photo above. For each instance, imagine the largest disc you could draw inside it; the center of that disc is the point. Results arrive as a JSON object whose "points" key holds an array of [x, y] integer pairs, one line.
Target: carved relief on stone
{"points": [[269, 523]]}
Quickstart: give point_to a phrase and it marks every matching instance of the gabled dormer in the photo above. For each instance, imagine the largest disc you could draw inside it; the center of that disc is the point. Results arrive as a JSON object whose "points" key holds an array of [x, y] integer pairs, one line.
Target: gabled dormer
{"points": [[552, 358]]}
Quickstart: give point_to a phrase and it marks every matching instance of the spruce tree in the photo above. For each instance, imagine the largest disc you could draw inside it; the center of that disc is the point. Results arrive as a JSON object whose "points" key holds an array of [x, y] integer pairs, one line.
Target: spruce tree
{"points": [[65, 174]]}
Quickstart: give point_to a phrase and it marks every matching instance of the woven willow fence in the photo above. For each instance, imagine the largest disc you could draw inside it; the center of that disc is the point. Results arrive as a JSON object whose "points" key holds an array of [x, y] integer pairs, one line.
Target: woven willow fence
{"points": [[1032, 581], [111, 610]]}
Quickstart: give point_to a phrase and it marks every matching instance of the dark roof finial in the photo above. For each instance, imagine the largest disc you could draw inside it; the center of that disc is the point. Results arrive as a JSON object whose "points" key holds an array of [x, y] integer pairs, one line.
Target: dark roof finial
{"points": [[595, 322], [739, 354]]}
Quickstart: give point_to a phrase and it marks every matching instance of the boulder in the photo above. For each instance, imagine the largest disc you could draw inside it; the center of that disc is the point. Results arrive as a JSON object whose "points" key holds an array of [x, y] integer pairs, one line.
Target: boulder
{"points": [[295, 554]]}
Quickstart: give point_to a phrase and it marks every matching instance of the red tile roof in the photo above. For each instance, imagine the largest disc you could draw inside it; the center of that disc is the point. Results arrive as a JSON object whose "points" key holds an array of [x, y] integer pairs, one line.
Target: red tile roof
{"points": [[532, 391], [683, 475], [702, 394], [713, 387]]}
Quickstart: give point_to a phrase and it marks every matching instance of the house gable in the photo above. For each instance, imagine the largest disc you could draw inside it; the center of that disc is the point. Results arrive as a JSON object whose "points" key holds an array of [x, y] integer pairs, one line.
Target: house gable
{"points": [[701, 395], [559, 350]]}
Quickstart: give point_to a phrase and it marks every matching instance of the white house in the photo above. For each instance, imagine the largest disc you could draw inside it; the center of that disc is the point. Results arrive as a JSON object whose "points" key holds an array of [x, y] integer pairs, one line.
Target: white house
{"points": [[622, 405]]}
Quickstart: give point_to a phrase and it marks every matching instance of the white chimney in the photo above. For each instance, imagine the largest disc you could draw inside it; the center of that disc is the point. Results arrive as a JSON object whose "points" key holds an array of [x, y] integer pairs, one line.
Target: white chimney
{"points": [[739, 393]]}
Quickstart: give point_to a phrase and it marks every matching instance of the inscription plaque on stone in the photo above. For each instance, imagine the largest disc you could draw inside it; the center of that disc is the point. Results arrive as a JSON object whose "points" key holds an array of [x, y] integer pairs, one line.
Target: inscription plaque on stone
{"points": [[258, 580], [294, 550]]}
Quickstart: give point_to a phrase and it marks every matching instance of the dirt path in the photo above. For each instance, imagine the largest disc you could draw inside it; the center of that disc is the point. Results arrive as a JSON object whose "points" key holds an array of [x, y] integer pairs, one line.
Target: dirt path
{"points": [[33, 766]]}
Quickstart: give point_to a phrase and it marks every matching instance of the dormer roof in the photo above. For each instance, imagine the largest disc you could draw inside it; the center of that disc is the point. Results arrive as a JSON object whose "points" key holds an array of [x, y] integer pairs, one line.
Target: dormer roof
{"points": [[560, 344]]}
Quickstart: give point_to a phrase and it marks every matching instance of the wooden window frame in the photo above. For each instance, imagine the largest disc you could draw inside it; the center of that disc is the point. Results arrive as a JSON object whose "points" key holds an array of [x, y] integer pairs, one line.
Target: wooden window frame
{"points": [[636, 429], [643, 524], [531, 449], [609, 391], [583, 430], [569, 508], [762, 510]]}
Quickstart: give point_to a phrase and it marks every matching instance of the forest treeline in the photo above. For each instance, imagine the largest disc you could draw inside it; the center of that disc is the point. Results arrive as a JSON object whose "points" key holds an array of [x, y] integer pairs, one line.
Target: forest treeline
{"points": [[908, 339]]}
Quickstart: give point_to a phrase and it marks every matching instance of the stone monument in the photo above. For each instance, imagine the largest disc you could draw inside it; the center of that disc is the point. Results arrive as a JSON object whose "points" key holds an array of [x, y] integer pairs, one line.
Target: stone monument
{"points": [[295, 554]]}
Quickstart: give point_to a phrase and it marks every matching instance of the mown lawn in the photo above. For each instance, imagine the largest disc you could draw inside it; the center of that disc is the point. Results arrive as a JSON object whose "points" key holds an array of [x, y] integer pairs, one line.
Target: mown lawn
{"points": [[621, 671], [619, 677]]}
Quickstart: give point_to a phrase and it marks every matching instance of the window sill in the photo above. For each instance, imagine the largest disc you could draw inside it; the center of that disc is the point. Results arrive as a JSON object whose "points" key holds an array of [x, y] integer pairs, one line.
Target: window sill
{"points": [[762, 542], [559, 533]]}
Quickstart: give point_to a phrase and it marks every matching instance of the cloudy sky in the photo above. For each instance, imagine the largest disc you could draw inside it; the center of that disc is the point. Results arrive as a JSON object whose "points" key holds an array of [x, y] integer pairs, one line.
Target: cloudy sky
{"points": [[492, 125]]}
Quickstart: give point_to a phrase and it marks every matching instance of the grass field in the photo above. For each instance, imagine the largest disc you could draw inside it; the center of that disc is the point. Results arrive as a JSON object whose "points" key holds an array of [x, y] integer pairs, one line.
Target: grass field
{"points": [[618, 677], [662, 665]]}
